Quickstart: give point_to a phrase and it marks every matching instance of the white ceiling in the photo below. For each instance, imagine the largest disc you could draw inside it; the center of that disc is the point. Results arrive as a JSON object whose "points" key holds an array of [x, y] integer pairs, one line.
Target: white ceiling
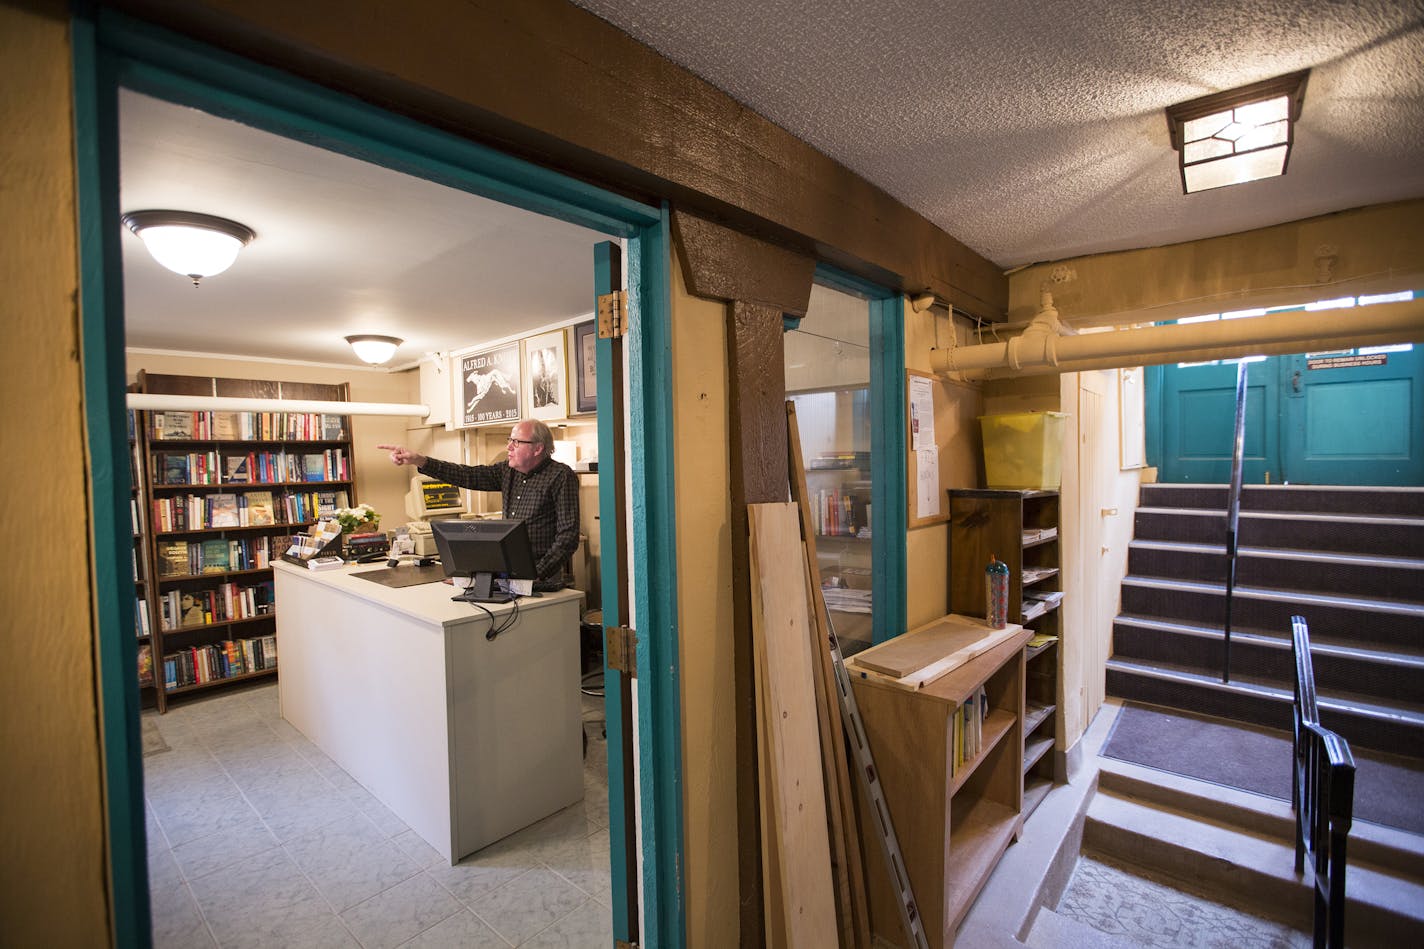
{"points": [[1028, 130]]}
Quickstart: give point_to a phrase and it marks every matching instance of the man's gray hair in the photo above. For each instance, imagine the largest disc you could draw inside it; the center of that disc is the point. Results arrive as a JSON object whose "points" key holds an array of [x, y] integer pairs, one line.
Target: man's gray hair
{"points": [[540, 432]]}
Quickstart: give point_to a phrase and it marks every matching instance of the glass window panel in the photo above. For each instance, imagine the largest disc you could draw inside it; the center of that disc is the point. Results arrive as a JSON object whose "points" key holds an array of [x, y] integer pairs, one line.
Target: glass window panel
{"points": [[1387, 297], [1264, 113], [828, 378], [1339, 304], [1205, 127], [1204, 149], [1273, 134], [1240, 314], [1392, 348], [1205, 318], [1235, 170]]}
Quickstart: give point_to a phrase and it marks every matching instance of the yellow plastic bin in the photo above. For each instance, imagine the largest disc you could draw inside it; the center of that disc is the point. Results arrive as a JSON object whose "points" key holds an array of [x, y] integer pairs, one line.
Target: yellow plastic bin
{"points": [[1023, 450]]}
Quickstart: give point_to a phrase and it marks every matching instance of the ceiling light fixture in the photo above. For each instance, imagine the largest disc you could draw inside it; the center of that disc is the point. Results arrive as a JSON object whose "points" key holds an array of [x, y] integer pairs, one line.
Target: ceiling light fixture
{"points": [[374, 349], [1238, 135], [194, 245]]}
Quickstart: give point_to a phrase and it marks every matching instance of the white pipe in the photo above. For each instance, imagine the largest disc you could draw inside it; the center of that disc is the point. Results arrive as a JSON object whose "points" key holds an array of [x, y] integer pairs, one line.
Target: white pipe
{"points": [[1399, 321], [1221, 352], [151, 401]]}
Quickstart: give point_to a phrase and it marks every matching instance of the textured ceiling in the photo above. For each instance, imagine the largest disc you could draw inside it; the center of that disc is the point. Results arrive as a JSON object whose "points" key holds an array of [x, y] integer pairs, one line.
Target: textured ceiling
{"points": [[1035, 130]]}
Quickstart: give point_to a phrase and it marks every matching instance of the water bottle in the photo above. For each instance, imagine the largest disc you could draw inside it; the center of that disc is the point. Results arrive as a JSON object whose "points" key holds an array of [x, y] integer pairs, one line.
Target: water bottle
{"points": [[996, 593]]}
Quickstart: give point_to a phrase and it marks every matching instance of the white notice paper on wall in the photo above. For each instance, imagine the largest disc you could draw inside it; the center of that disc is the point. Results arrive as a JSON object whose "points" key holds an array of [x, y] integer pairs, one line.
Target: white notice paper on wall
{"points": [[927, 482], [922, 432]]}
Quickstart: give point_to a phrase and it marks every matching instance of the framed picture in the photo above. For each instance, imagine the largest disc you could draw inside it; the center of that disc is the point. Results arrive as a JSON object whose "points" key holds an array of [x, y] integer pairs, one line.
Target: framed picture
{"points": [[489, 386], [586, 366], [545, 377]]}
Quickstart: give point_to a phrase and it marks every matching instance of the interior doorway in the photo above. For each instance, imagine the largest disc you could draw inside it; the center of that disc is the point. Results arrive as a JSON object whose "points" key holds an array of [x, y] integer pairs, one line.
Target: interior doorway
{"points": [[113, 53]]}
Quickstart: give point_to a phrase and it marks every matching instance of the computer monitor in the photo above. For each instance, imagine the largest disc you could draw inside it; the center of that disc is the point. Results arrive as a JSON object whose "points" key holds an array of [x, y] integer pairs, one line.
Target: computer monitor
{"points": [[427, 500], [481, 550]]}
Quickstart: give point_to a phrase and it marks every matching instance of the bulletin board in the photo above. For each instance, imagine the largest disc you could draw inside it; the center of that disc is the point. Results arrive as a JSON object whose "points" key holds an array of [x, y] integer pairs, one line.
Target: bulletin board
{"points": [[927, 414]]}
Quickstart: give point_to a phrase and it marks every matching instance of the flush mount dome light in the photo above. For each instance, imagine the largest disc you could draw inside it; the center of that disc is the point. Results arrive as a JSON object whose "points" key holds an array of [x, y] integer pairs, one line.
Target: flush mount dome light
{"points": [[1239, 135], [194, 245], [374, 349]]}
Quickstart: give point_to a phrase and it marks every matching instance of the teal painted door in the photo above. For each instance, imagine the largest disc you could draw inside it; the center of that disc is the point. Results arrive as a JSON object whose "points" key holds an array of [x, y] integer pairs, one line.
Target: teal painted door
{"points": [[1347, 417], [1197, 413], [1353, 418]]}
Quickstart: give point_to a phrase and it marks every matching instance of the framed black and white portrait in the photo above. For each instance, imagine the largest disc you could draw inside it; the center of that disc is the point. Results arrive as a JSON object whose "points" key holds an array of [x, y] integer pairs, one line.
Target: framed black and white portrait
{"points": [[545, 378]]}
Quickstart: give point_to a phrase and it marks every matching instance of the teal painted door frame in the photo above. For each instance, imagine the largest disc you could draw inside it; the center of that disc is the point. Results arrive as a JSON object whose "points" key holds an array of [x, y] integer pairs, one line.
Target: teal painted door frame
{"points": [[889, 577], [113, 51]]}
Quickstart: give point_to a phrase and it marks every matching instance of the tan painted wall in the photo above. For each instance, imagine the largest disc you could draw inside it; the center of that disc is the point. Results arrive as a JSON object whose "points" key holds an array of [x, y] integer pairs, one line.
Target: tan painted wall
{"points": [[53, 874], [961, 462], [378, 482], [1375, 250], [704, 590]]}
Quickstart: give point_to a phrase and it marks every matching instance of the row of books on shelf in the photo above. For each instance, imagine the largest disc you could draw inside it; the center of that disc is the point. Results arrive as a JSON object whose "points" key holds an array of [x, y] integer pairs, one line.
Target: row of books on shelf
{"points": [[216, 661], [840, 459], [249, 509], [968, 730], [245, 426], [183, 558], [142, 626], [840, 515], [261, 467], [180, 609]]}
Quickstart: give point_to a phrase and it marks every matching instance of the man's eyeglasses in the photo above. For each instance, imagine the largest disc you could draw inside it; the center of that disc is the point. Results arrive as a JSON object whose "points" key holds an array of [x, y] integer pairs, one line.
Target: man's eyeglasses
{"points": [[519, 441]]}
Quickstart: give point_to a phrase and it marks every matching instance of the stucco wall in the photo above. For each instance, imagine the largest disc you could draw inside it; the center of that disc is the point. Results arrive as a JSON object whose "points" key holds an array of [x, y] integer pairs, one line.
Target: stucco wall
{"points": [[704, 589], [52, 876]]}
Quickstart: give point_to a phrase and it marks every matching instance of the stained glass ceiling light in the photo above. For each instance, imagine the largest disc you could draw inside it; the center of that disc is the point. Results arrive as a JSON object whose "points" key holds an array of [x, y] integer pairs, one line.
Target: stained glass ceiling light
{"points": [[1239, 135]]}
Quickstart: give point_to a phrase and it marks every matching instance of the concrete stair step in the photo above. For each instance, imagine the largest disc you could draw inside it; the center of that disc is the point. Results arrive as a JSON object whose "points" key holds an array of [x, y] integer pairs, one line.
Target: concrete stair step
{"points": [[1251, 871], [1318, 499], [1384, 848], [1052, 930]]}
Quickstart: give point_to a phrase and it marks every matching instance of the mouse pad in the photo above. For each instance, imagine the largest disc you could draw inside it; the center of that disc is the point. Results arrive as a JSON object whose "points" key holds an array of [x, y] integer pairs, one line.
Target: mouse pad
{"points": [[403, 576]]}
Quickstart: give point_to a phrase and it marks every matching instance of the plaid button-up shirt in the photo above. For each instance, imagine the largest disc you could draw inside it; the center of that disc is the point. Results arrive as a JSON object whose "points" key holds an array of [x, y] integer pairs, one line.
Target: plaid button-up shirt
{"points": [[546, 499]]}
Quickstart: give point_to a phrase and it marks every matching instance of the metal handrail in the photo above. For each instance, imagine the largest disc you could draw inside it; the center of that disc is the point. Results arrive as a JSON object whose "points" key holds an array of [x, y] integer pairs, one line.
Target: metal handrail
{"points": [[1233, 512], [1322, 793]]}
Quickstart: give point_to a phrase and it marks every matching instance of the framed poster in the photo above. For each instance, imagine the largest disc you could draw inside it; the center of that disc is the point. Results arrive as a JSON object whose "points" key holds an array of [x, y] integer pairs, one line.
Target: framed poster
{"points": [[489, 383], [546, 384], [586, 366]]}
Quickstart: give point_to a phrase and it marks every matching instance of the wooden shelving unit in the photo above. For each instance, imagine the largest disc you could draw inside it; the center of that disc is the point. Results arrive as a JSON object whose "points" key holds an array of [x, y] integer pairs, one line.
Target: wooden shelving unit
{"points": [[231, 594], [1021, 528], [952, 823], [150, 694]]}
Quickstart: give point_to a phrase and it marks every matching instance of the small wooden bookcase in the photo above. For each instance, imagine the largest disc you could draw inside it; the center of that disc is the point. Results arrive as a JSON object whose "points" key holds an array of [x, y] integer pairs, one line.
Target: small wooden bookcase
{"points": [[952, 824]]}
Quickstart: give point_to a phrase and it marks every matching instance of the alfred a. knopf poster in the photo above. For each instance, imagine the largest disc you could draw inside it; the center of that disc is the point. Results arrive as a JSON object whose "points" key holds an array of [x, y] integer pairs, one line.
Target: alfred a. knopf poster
{"points": [[490, 382]]}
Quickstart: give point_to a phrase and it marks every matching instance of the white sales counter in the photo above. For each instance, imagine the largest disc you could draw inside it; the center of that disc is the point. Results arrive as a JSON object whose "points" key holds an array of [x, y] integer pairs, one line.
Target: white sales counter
{"points": [[465, 739]]}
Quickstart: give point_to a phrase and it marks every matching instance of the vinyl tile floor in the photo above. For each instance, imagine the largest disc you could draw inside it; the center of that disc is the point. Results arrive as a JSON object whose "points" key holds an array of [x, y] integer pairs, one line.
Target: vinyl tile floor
{"points": [[257, 838]]}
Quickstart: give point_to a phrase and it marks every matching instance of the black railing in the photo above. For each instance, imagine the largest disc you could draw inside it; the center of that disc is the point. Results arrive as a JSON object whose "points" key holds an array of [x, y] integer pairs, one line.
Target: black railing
{"points": [[1323, 793], [1233, 512]]}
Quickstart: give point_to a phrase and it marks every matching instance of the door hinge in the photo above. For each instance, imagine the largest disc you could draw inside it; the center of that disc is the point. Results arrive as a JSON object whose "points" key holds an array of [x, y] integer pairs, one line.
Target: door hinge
{"points": [[613, 314], [620, 649]]}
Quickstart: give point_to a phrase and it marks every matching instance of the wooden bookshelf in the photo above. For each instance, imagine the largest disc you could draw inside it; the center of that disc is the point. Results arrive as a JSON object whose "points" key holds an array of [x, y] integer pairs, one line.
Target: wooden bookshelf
{"points": [[952, 823], [149, 684], [1021, 528], [208, 481]]}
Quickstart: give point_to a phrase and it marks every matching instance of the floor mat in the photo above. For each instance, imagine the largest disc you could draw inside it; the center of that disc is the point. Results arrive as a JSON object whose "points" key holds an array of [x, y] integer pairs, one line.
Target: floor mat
{"points": [[1387, 788]]}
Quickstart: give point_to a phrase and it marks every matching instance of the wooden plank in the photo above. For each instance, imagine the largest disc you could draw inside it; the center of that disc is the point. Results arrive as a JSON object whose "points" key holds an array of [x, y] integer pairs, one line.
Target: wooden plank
{"points": [[851, 901], [779, 630], [724, 264], [926, 653]]}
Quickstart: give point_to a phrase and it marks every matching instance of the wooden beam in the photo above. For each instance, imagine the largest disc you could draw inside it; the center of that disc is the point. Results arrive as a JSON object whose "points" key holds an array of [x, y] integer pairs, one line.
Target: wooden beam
{"points": [[724, 264], [551, 82]]}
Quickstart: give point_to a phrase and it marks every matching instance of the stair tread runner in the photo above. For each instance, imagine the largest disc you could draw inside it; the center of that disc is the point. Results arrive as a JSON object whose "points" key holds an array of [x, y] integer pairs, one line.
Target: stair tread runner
{"points": [[1306, 597], [1288, 515], [1412, 657], [1329, 700], [1283, 553]]}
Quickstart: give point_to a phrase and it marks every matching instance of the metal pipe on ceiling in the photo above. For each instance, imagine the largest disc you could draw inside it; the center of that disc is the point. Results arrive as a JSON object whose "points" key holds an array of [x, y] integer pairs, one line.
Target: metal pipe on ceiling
{"points": [[1041, 348], [150, 401]]}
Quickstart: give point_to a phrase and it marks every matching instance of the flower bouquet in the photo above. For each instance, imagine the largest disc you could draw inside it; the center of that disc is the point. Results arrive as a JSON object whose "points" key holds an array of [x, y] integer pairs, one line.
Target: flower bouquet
{"points": [[361, 519]]}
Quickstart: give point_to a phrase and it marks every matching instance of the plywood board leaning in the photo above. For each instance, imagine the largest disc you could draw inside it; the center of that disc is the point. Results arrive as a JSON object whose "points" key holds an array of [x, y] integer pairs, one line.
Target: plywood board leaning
{"points": [[793, 753], [922, 655], [848, 873]]}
